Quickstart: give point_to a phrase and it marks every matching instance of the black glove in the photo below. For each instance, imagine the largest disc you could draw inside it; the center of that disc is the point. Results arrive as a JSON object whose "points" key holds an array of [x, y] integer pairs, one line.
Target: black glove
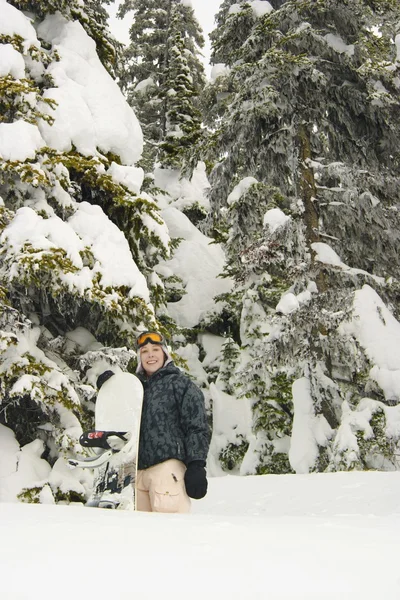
{"points": [[103, 378], [196, 480]]}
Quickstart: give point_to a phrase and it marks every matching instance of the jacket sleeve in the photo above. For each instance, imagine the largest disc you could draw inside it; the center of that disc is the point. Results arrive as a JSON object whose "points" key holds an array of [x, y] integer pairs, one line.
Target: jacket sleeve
{"points": [[194, 422]]}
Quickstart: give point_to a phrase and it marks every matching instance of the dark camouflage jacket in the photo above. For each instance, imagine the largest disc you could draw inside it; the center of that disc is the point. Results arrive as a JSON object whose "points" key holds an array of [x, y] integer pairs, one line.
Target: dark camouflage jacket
{"points": [[174, 422]]}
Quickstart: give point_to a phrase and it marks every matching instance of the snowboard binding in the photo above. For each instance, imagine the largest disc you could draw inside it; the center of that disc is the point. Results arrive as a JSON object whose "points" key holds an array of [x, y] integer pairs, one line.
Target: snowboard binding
{"points": [[110, 442], [107, 440]]}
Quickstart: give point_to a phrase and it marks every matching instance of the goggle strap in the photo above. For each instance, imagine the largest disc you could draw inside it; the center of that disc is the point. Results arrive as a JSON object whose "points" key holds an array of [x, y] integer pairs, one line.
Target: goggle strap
{"points": [[144, 338]]}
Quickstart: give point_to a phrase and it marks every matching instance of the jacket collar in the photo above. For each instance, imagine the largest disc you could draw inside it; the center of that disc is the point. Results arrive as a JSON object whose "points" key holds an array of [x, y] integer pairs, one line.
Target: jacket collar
{"points": [[169, 367]]}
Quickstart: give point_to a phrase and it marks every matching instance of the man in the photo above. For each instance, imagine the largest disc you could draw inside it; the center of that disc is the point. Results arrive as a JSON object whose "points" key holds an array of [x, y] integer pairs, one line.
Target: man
{"points": [[174, 433]]}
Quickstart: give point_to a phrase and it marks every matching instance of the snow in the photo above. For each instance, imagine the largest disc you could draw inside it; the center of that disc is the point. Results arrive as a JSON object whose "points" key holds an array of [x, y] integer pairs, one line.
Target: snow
{"points": [[198, 263], [336, 42], [84, 93], [130, 177], [281, 537], [219, 70], [110, 248], [259, 7], [14, 23], [309, 432], [287, 304], [144, 84], [88, 228], [232, 422], [274, 219], [290, 303], [11, 62], [378, 332], [240, 189], [19, 141], [183, 192], [326, 254]]}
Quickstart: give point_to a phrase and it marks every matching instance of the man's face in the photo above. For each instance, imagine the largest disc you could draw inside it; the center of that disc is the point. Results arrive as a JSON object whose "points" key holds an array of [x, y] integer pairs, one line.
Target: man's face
{"points": [[152, 358]]}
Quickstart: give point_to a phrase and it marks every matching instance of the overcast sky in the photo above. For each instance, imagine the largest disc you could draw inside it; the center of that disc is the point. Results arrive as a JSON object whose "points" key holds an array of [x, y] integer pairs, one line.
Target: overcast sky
{"points": [[204, 9]]}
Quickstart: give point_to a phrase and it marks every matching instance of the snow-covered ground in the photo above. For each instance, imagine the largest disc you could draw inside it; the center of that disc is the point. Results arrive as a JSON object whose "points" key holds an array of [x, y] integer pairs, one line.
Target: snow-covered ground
{"points": [[311, 537]]}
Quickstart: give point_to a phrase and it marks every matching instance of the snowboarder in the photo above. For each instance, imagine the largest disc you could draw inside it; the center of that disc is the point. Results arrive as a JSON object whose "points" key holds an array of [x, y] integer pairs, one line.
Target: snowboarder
{"points": [[174, 433]]}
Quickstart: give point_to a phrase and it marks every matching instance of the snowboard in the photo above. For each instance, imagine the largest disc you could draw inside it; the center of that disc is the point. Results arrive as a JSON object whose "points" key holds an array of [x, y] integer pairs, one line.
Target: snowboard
{"points": [[116, 440]]}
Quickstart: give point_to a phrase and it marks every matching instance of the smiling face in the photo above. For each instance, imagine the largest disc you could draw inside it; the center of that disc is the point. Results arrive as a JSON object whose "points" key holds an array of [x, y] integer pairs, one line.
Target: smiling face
{"points": [[152, 358]]}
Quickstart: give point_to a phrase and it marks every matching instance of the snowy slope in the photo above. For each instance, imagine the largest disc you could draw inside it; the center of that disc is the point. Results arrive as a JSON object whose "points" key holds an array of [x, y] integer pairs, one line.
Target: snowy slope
{"points": [[288, 537]]}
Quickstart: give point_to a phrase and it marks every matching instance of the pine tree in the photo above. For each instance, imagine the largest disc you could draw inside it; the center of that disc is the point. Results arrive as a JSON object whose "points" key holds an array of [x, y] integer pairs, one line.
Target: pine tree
{"points": [[163, 76], [68, 207], [93, 17], [306, 121]]}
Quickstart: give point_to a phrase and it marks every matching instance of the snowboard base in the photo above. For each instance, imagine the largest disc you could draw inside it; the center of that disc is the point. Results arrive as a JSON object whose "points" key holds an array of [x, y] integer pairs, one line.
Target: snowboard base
{"points": [[116, 438]]}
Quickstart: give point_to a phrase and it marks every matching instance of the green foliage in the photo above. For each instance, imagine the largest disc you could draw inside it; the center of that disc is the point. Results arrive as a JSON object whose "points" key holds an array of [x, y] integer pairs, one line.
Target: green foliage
{"points": [[274, 409], [30, 495], [378, 445], [232, 455], [273, 463]]}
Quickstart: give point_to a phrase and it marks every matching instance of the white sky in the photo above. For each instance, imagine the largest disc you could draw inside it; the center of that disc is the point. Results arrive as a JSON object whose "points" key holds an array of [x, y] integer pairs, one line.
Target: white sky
{"points": [[204, 9]]}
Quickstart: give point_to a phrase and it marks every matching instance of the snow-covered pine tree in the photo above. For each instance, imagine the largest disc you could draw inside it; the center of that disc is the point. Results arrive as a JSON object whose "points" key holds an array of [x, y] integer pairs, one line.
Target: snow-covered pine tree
{"points": [[93, 17], [305, 189], [163, 76], [78, 238]]}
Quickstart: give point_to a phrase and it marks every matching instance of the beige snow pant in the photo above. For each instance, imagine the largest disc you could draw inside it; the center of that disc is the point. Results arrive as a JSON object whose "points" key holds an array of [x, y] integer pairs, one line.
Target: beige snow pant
{"points": [[161, 488]]}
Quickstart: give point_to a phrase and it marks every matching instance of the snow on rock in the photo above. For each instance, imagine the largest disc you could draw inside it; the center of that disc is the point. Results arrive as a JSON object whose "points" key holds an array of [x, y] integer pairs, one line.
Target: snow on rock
{"points": [[378, 332], [198, 263], [309, 432], [84, 93], [13, 22], [184, 192], [19, 141], [241, 188], [274, 219], [11, 62], [130, 177]]}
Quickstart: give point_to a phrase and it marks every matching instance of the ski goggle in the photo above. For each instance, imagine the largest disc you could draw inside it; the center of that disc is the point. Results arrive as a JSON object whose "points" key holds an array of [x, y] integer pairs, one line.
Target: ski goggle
{"points": [[149, 337]]}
